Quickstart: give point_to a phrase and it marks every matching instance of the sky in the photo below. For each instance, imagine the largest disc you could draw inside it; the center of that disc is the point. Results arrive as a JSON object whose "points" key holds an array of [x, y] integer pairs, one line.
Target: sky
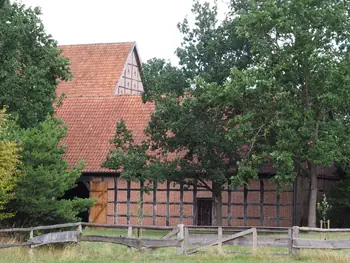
{"points": [[151, 23]]}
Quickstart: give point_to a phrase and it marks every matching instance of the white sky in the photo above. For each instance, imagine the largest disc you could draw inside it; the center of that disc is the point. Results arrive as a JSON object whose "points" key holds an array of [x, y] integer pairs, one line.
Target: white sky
{"points": [[151, 23]]}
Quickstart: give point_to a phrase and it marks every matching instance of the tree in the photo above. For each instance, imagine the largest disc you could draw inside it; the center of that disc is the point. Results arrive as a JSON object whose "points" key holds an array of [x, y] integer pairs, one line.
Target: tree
{"points": [[4, 3], [294, 103], [160, 77], [187, 143], [187, 136], [30, 63], [210, 49], [47, 176], [9, 159]]}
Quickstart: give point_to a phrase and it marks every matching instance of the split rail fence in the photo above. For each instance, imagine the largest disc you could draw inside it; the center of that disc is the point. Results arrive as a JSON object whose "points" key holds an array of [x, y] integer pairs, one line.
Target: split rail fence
{"points": [[186, 239]]}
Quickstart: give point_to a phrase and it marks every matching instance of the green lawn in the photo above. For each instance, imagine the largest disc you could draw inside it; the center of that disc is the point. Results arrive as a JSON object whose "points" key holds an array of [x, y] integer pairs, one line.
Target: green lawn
{"points": [[105, 253]]}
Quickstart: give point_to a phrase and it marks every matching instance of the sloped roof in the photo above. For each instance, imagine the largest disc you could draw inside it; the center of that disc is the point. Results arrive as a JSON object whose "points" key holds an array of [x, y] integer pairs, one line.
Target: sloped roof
{"points": [[92, 123], [96, 68]]}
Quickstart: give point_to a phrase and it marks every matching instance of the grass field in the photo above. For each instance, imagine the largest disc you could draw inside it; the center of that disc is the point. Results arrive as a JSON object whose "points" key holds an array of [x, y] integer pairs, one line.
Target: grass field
{"points": [[105, 253]]}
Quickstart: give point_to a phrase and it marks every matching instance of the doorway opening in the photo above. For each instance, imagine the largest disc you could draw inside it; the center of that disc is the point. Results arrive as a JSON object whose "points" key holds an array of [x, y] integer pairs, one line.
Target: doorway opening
{"points": [[204, 206], [80, 191]]}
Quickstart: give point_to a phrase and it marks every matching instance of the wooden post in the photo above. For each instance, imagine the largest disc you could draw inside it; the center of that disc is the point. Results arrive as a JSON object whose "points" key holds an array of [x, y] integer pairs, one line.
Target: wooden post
{"points": [[262, 192], [295, 234], [229, 205], [328, 226], [115, 200], [220, 251], [154, 216], [181, 202], [31, 236], [245, 207], [278, 209], [140, 212], [80, 231], [180, 239], [195, 212], [290, 241], [128, 202], [255, 240], [186, 240], [129, 236], [167, 203]]}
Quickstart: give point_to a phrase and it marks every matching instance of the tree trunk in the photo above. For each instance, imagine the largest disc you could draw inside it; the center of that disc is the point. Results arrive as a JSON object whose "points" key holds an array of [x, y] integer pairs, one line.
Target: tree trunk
{"points": [[304, 197], [313, 196], [218, 208]]}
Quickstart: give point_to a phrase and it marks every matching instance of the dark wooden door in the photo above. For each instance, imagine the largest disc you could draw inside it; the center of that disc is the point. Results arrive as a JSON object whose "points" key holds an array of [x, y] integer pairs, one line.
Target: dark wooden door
{"points": [[204, 206]]}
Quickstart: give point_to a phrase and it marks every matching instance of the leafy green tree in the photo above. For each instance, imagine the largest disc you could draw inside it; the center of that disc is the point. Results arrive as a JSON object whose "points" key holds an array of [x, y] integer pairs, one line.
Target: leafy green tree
{"points": [[294, 103], [160, 77], [187, 136], [47, 176], [9, 159], [4, 3], [124, 151], [30, 64], [210, 49], [187, 143]]}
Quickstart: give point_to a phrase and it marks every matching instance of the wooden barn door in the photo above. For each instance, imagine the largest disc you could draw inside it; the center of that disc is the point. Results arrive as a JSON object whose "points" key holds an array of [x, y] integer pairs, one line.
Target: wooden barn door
{"points": [[98, 212]]}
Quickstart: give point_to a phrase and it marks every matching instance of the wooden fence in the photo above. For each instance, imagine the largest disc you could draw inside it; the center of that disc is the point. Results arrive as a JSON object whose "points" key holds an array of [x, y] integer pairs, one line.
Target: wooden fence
{"points": [[303, 243], [186, 239]]}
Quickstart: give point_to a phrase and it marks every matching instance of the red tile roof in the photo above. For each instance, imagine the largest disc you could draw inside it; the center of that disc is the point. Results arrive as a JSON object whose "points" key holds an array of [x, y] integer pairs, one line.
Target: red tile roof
{"points": [[92, 123], [96, 68]]}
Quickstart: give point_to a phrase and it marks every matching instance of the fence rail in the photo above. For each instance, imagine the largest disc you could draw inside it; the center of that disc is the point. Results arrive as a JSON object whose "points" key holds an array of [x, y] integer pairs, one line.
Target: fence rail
{"points": [[9, 230], [184, 238]]}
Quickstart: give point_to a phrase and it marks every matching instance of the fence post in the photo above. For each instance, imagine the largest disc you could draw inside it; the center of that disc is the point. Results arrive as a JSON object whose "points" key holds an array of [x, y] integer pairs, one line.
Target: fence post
{"points": [[255, 239], [31, 236], [329, 226], [186, 240], [180, 239], [290, 241], [129, 236], [220, 251], [295, 235], [80, 231]]}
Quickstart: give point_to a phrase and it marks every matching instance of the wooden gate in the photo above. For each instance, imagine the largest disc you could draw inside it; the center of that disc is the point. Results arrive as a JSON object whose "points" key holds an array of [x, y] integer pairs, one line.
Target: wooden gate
{"points": [[98, 212]]}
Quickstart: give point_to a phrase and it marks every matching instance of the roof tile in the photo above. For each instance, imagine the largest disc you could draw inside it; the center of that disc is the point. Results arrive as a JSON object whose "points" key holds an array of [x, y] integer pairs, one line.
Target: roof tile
{"points": [[92, 123]]}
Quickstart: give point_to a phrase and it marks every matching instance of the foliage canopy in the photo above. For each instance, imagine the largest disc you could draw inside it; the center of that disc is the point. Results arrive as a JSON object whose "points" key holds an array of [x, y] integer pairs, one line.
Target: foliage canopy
{"points": [[9, 159], [30, 65]]}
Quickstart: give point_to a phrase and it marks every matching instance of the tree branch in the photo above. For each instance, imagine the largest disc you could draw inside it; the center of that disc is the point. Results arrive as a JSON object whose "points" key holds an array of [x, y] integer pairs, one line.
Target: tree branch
{"points": [[205, 184]]}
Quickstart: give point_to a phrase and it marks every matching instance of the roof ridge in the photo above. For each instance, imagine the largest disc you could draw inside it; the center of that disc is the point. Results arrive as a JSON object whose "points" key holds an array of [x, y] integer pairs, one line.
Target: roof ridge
{"points": [[99, 43]]}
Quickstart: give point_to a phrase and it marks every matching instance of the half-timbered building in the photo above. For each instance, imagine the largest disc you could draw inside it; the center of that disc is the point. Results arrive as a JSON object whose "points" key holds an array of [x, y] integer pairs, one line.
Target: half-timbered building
{"points": [[106, 88]]}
